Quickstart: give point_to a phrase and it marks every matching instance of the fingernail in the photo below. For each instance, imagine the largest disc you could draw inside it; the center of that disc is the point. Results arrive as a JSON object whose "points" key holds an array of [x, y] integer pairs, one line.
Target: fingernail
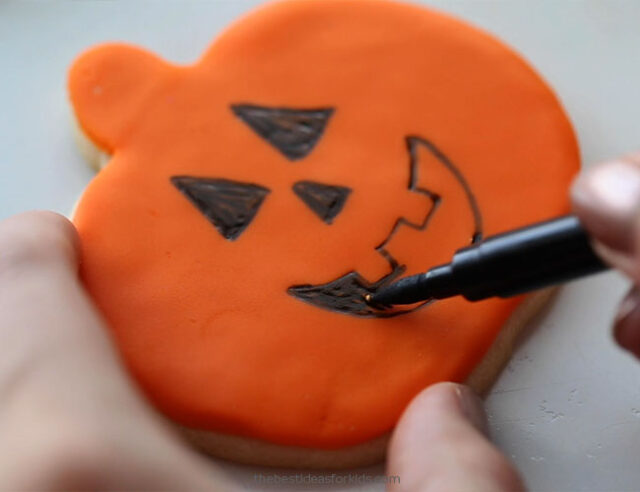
{"points": [[607, 200], [472, 408], [626, 329]]}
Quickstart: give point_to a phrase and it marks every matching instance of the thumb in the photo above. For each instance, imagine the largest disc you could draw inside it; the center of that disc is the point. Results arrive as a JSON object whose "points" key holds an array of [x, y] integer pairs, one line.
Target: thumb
{"points": [[606, 198], [439, 445]]}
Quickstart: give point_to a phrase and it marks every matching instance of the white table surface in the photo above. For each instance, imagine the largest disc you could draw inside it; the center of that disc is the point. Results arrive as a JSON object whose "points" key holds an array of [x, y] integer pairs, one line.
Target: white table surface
{"points": [[567, 408]]}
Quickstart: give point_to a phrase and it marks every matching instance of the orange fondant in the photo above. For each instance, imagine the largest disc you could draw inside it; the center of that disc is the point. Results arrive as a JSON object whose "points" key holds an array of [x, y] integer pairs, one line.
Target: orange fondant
{"points": [[205, 324]]}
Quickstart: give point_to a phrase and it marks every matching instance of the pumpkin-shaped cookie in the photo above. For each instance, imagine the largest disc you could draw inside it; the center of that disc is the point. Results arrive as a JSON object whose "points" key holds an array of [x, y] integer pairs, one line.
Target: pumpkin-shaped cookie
{"points": [[317, 151]]}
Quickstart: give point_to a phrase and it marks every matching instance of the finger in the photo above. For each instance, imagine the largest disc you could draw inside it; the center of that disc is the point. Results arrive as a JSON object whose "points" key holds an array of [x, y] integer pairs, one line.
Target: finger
{"points": [[23, 238], [70, 418], [624, 262], [439, 445], [607, 200], [627, 324]]}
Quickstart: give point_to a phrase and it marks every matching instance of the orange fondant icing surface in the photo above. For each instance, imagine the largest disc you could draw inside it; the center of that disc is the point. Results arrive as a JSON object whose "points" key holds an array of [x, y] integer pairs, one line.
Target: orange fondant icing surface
{"points": [[204, 322]]}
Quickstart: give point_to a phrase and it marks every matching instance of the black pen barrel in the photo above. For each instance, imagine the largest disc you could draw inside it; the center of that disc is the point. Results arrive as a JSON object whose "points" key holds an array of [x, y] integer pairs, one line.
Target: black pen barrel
{"points": [[505, 265], [526, 259]]}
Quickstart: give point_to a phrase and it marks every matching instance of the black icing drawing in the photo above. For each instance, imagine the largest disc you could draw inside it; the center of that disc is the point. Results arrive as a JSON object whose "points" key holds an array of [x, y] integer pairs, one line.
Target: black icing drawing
{"points": [[229, 205], [346, 293], [326, 201], [294, 132]]}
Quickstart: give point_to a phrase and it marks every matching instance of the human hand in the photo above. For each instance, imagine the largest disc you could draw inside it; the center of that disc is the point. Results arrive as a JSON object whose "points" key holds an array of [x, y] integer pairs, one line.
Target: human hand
{"points": [[438, 444], [69, 417], [606, 198]]}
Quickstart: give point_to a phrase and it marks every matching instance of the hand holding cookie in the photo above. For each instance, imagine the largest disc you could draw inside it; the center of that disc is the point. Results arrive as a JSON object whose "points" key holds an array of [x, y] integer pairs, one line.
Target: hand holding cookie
{"points": [[71, 420]]}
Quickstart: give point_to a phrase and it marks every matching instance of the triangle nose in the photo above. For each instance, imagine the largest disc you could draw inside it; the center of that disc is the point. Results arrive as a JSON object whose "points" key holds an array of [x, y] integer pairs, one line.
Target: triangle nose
{"points": [[229, 205], [326, 201], [293, 132]]}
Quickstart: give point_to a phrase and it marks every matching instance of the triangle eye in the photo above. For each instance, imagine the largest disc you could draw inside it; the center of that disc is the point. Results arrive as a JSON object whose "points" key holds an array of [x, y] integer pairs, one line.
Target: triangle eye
{"points": [[229, 205], [294, 132], [326, 201]]}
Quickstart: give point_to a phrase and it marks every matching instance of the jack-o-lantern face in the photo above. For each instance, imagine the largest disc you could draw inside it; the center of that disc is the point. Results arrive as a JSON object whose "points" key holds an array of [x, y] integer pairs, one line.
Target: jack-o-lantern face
{"points": [[318, 150], [231, 206]]}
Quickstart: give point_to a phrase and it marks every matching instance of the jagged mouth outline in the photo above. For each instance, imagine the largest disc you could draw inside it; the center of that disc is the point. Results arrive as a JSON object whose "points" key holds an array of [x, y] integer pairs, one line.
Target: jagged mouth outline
{"points": [[346, 294]]}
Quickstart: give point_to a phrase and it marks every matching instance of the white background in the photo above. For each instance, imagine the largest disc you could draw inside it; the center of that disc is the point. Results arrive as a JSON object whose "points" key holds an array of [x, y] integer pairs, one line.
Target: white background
{"points": [[567, 408]]}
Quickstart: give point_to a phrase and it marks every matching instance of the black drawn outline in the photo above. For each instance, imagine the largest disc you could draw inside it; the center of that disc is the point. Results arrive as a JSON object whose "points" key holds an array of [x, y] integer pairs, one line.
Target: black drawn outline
{"points": [[229, 205], [346, 294], [293, 132], [326, 201]]}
